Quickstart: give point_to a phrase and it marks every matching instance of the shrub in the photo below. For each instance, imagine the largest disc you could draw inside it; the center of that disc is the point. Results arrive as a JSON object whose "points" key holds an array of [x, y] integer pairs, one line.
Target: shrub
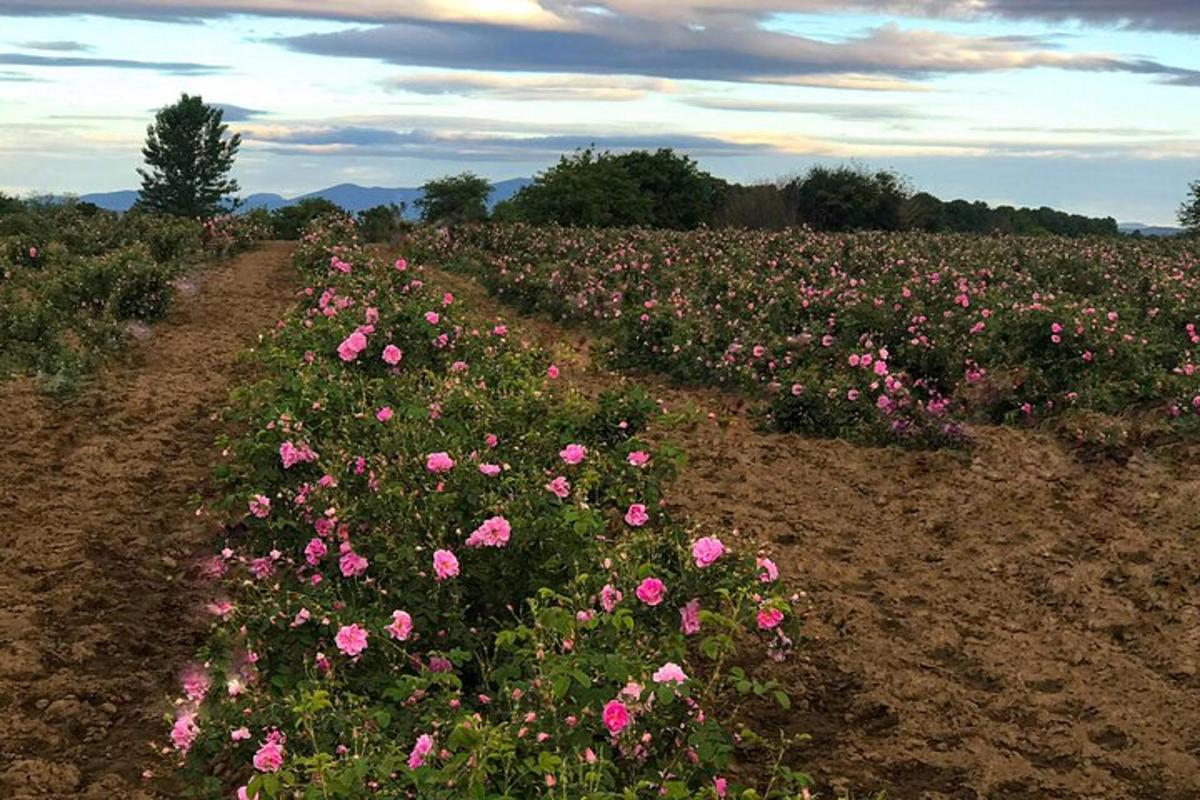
{"points": [[447, 577]]}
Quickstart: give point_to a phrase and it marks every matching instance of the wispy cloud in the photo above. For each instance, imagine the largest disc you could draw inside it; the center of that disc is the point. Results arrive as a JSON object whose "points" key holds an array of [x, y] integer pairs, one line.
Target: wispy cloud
{"points": [[591, 88], [731, 51], [58, 46], [167, 67], [474, 145], [850, 112], [234, 113]]}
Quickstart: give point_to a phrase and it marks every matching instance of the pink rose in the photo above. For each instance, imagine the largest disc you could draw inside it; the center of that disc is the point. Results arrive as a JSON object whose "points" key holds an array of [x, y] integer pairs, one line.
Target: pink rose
{"points": [[401, 627], [616, 717], [351, 639], [494, 532], [636, 515], [769, 618], [573, 453], [669, 672], [706, 550], [392, 355], [651, 591], [445, 565], [439, 462]]}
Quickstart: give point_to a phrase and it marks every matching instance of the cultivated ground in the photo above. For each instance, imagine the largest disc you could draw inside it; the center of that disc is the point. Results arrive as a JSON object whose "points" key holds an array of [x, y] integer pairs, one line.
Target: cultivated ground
{"points": [[99, 535], [1004, 622]]}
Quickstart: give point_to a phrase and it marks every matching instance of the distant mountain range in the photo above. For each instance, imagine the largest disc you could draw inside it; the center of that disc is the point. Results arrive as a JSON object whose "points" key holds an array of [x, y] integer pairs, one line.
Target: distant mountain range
{"points": [[1148, 230], [350, 196]]}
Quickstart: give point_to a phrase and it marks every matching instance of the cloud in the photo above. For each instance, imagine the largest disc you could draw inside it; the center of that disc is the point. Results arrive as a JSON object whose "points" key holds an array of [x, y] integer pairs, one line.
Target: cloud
{"points": [[729, 51], [850, 112], [168, 67], [531, 87], [1181, 16], [237, 113], [474, 145], [8, 76], [522, 12], [61, 46]]}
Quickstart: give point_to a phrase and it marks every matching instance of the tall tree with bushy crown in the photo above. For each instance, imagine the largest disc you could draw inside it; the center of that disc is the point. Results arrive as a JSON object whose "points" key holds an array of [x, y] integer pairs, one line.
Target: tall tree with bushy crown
{"points": [[188, 159], [1189, 212]]}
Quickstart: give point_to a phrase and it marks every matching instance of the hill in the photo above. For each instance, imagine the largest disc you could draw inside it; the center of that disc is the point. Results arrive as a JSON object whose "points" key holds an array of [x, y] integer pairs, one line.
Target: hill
{"points": [[350, 196]]}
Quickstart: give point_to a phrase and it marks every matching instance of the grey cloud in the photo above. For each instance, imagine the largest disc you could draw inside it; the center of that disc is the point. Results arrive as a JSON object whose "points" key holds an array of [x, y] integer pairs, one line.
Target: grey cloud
{"points": [[474, 146], [238, 113], [168, 67], [850, 112], [60, 46], [1168, 15], [737, 52]]}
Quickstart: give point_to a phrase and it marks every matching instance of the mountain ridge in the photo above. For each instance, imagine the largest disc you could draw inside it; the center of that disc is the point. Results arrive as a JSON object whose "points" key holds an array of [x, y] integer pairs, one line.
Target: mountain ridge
{"points": [[350, 196]]}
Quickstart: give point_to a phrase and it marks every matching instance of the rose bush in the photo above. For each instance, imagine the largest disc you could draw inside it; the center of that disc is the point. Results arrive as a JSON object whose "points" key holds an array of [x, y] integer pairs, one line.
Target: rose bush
{"points": [[71, 281], [456, 598], [871, 336]]}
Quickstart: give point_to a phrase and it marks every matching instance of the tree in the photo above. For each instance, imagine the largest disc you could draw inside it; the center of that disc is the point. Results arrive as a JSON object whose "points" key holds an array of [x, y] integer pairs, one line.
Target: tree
{"points": [[454, 199], [290, 221], [590, 188], [10, 205], [382, 223], [1189, 212], [189, 159], [584, 189], [848, 198]]}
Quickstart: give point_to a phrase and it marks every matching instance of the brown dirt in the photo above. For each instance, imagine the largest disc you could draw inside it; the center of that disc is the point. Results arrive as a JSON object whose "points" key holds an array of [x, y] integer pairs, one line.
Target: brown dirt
{"points": [[99, 532], [1002, 622]]}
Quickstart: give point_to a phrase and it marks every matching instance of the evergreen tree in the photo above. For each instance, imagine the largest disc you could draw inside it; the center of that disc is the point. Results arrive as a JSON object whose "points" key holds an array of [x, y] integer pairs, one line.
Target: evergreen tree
{"points": [[1189, 212], [188, 160]]}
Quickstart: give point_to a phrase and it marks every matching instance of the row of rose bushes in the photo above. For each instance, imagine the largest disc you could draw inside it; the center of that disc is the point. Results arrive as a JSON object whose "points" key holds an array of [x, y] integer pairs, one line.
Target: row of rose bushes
{"points": [[444, 575], [882, 337], [72, 280]]}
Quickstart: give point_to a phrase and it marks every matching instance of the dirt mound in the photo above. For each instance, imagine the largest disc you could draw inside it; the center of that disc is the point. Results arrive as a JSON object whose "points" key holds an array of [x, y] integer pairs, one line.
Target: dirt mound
{"points": [[1001, 622], [99, 536]]}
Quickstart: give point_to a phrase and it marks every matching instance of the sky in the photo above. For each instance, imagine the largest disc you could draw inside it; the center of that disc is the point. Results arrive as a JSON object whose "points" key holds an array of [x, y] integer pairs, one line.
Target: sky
{"points": [[1092, 106]]}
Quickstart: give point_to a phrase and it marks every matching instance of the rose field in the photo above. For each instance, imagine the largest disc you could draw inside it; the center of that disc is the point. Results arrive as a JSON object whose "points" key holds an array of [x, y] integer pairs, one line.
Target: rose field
{"points": [[516, 512], [883, 338]]}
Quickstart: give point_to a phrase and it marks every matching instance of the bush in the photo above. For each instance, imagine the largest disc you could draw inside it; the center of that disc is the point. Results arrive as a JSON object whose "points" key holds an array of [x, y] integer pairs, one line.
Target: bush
{"points": [[880, 337], [445, 572]]}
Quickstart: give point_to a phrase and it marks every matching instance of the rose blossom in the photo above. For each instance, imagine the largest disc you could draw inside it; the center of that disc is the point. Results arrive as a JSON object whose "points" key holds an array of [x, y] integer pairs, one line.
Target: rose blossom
{"points": [[636, 515], [706, 550], [616, 717], [445, 564], [573, 453], [351, 639], [651, 591], [401, 626]]}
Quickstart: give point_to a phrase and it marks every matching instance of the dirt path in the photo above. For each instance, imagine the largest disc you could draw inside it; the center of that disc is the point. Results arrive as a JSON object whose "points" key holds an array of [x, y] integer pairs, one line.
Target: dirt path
{"points": [[98, 537], [1000, 623]]}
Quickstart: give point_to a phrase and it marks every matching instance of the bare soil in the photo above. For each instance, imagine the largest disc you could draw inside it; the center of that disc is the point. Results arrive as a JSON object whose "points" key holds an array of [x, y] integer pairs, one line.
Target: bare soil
{"points": [[97, 611], [1002, 622]]}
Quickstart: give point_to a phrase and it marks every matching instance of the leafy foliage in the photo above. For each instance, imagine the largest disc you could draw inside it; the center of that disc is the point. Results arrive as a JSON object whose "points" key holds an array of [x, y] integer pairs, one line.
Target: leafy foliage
{"points": [[445, 576], [72, 278], [454, 199], [660, 189], [188, 159], [290, 221], [893, 338], [1189, 212], [384, 223]]}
